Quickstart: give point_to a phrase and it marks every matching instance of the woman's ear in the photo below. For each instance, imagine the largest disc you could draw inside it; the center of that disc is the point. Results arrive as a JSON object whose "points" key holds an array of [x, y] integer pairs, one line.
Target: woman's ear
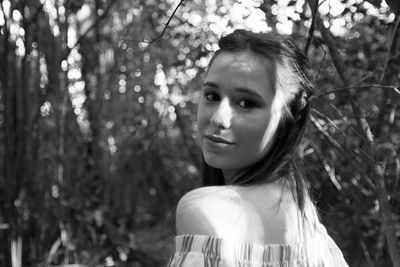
{"points": [[303, 103], [299, 103]]}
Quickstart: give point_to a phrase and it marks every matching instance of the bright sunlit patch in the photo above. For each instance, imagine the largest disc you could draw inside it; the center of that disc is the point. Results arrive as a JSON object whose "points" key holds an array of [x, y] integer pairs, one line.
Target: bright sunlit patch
{"points": [[56, 30], [283, 11], [78, 100], [16, 15], [112, 145], [338, 27], [83, 18], [46, 109], [61, 10], [72, 38], [122, 89], [285, 27], [64, 65], [20, 47], [2, 20], [14, 29], [77, 95], [220, 27], [6, 6], [195, 19], [332, 7], [247, 14], [256, 21], [161, 81]]}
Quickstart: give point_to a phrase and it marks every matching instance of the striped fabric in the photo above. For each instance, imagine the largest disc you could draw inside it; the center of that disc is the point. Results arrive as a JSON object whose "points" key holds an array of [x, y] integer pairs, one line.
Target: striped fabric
{"points": [[210, 251]]}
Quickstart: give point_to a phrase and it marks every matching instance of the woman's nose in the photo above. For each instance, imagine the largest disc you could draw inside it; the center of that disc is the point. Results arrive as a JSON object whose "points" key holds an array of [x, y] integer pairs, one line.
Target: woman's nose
{"points": [[222, 116]]}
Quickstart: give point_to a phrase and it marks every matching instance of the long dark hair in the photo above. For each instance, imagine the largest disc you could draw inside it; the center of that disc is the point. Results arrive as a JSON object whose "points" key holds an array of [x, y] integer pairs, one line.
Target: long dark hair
{"points": [[293, 89]]}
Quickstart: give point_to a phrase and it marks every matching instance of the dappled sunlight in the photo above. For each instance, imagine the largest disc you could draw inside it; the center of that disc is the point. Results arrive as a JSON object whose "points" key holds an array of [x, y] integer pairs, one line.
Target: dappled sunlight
{"points": [[98, 128]]}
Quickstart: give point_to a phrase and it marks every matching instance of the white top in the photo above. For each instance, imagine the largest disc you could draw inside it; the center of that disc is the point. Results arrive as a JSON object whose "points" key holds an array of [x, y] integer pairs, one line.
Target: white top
{"points": [[224, 226]]}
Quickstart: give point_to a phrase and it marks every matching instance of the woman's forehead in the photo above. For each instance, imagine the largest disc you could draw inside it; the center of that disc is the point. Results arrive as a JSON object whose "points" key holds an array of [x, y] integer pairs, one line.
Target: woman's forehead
{"points": [[242, 70], [246, 63], [244, 58]]}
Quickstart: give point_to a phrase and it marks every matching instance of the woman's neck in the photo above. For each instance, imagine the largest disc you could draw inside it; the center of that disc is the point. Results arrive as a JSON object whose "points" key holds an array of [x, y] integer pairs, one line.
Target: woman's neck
{"points": [[230, 176]]}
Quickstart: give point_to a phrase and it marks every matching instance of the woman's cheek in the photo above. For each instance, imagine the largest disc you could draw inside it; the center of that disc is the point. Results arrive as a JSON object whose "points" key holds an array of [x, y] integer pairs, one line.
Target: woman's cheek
{"points": [[203, 116], [202, 123]]}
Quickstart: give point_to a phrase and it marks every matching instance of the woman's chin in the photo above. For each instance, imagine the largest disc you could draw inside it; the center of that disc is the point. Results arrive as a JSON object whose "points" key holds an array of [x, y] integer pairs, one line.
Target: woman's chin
{"points": [[215, 163], [219, 163]]}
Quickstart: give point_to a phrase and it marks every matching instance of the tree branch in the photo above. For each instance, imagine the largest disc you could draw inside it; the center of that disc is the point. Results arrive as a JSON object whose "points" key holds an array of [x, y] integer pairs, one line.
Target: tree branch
{"points": [[360, 87], [340, 68], [342, 150], [384, 107], [311, 31], [377, 173], [346, 121], [166, 25], [386, 215], [327, 119]]}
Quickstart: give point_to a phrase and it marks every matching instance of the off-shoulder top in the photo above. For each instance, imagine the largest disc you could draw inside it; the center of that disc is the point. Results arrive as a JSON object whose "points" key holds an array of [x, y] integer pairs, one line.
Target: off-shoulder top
{"points": [[199, 250]]}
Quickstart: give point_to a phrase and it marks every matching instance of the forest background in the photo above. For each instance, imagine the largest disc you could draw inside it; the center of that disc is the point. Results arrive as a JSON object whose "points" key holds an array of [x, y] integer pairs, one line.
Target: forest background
{"points": [[98, 135]]}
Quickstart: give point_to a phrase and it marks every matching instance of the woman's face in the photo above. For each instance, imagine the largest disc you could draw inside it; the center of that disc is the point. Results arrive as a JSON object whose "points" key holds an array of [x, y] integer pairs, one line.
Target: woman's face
{"points": [[235, 111]]}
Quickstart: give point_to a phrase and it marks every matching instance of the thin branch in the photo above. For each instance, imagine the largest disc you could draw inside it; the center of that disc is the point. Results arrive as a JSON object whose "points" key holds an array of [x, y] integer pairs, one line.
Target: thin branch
{"points": [[345, 194], [391, 48], [397, 179], [323, 61], [312, 27], [360, 87], [330, 171], [377, 174], [367, 255], [384, 107], [368, 157], [341, 149], [388, 223], [166, 25], [340, 68], [346, 121]]}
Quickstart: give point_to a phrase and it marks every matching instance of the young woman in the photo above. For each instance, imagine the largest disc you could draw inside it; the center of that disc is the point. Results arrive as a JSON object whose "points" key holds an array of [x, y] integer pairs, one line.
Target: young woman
{"points": [[254, 209]]}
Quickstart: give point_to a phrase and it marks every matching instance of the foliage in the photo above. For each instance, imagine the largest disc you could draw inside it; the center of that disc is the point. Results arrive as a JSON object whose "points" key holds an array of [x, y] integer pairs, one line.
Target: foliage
{"points": [[98, 134]]}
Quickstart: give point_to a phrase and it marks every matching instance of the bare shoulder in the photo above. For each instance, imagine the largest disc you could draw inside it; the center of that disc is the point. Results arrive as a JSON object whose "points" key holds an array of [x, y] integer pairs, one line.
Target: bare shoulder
{"points": [[264, 215], [214, 211]]}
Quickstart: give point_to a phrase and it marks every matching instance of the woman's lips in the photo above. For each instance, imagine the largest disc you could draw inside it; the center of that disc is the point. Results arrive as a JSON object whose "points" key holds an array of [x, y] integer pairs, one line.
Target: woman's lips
{"points": [[218, 140]]}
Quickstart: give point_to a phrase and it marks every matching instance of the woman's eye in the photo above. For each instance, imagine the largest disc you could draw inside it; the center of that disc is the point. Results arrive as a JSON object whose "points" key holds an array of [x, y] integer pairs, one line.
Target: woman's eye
{"points": [[211, 97], [247, 104]]}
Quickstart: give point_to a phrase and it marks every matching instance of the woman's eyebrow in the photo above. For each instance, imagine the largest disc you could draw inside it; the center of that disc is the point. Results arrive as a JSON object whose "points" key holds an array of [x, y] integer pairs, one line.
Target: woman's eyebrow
{"points": [[248, 91], [210, 84]]}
